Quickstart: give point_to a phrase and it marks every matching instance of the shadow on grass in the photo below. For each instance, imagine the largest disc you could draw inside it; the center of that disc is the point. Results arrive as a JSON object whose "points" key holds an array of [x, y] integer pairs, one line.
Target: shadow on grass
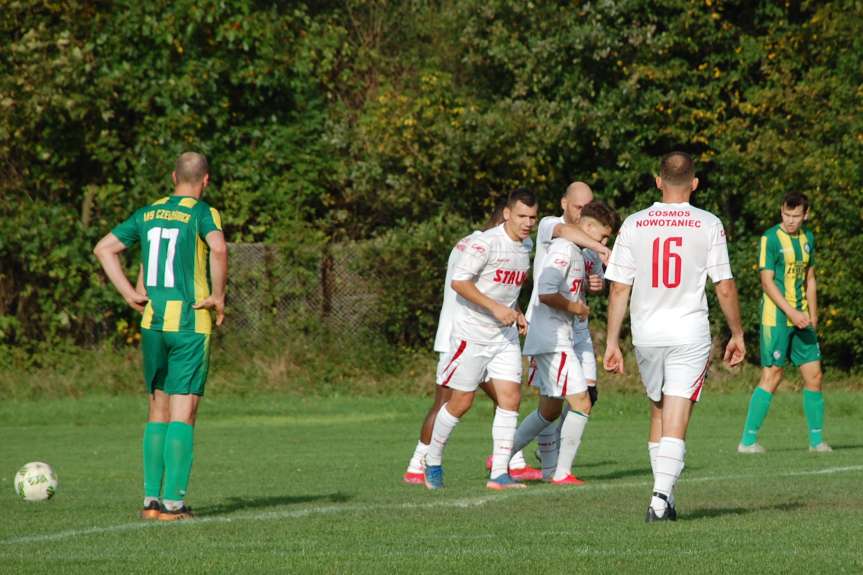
{"points": [[619, 474], [842, 447], [232, 504], [721, 511], [804, 449]]}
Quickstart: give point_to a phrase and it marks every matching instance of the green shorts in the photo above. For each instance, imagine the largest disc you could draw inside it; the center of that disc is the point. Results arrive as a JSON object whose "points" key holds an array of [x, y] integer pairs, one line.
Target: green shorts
{"points": [[175, 362], [780, 342]]}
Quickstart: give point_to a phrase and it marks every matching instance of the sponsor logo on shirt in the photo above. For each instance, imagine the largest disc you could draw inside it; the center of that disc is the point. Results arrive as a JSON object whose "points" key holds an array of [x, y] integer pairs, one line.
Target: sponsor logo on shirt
{"points": [[509, 277]]}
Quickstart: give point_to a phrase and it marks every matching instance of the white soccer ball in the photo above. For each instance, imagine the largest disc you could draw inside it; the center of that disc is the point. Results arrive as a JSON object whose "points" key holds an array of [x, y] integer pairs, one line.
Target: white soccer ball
{"points": [[36, 481]]}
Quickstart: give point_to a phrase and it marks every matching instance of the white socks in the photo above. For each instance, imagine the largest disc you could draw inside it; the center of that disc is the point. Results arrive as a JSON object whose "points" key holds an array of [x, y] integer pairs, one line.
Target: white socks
{"points": [[502, 435], [443, 425], [171, 505], [666, 469], [571, 431], [416, 464], [517, 461]]}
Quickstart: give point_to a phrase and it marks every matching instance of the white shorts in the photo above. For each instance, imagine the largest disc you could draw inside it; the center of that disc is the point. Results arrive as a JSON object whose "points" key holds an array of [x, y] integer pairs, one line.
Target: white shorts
{"points": [[557, 374], [676, 370], [474, 363], [583, 348]]}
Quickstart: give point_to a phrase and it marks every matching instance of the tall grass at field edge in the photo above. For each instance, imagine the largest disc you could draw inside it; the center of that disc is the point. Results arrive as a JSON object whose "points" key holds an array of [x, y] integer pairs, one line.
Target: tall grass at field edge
{"points": [[317, 364]]}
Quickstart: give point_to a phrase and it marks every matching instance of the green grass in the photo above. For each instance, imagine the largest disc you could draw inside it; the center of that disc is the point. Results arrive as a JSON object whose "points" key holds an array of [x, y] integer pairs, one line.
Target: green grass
{"points": [[286, 484]]}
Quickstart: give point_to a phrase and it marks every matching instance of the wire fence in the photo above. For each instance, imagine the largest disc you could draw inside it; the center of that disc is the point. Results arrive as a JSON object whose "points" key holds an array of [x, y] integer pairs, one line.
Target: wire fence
{"points": [[271, 289]]}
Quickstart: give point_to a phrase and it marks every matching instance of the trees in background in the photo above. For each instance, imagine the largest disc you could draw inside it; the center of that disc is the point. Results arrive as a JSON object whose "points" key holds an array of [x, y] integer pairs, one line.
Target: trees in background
{"points": [[403, 121]]}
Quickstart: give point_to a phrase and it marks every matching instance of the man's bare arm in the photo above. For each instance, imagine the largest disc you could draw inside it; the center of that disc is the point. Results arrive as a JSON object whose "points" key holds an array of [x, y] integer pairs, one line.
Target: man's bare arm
{"points": [[108, 253], [139, 284], [618, 300], [577, 236], [558, 301], [468, 290], [812, 297], [726, 293]]}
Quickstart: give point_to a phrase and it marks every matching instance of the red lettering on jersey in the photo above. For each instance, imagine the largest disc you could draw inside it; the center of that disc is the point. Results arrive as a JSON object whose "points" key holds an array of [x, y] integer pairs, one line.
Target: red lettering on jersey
{"points": [[588, 266], [576, 285], [667, 223], [509, 277]]}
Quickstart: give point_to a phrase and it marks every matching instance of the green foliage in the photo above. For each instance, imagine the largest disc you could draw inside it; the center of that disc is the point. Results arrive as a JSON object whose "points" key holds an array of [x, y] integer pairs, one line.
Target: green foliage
{"points": [[366, 119], [403, 269]]}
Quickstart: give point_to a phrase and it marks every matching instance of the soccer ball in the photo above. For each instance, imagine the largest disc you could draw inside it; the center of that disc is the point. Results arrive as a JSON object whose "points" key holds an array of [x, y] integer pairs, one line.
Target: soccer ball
{"points": [[36, 481]]}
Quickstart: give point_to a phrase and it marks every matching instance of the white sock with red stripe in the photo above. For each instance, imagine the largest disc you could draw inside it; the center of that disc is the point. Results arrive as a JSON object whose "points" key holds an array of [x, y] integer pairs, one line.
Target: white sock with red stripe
{"points": [[666, 470], [571, 431], [530, 427], [547, 442], [652, 450], [502, 435], [416, 462], [444, 423]]}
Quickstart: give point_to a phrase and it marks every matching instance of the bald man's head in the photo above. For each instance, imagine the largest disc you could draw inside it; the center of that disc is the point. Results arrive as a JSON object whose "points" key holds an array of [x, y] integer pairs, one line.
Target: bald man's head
{"points": [[577, 195], [191, 168]]}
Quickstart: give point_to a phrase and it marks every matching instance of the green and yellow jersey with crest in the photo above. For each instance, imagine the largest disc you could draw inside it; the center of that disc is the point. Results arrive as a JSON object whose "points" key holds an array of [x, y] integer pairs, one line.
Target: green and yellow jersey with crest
{"points": [[789, 257], [174, 255]]}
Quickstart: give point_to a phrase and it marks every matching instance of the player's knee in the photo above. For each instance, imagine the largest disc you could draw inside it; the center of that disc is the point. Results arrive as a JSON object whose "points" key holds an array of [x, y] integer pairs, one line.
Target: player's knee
{"points": [[550, 411], [580, 402], [459, 404], [770, 379], [813, 381]]}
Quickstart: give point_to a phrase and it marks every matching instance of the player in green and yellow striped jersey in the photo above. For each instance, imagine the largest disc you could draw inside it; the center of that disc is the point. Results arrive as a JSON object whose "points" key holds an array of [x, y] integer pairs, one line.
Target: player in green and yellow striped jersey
{"points": [[789, 317], [181, 239]]}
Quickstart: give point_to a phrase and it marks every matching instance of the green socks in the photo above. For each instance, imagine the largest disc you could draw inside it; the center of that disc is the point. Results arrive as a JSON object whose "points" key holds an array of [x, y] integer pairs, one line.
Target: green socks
{"points": [[813, 407], [758, 407], [178, 459], [154, 458]]}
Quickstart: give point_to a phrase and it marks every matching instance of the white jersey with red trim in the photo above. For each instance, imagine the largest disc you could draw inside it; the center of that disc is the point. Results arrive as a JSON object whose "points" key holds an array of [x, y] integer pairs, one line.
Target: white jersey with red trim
{"points": [[499, 265], [563, 272], [447, 310], [544, 232], [666, 253], [592, 266]]}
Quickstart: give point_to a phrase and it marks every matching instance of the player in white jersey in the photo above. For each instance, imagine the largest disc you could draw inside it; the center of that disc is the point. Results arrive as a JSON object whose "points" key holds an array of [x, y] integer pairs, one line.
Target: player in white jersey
{"points": [[663, 256], [555, 368], [415, 473], [485, 345], [575, 197]]}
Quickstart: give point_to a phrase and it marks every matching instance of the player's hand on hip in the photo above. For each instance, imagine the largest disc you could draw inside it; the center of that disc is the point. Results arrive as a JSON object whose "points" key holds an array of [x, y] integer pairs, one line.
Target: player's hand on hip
{"points": [[137, 300], [214, 303], [735, 351], [521, 322], [505, 315], [595, 283], [613, 360], [800, 319]]}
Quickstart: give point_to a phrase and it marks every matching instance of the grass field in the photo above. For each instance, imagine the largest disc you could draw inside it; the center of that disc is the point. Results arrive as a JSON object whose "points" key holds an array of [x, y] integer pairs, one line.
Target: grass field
{"points": [[283, 484]]}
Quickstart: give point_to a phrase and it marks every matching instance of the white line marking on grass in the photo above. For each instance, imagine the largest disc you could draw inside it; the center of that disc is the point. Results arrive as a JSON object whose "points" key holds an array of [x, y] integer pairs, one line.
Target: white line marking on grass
{"points": [[463, 503]]}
